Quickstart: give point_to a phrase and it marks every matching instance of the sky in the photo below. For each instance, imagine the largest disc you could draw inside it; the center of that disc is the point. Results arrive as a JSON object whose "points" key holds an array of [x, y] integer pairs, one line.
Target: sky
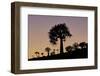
{"points": [[39, 26]]}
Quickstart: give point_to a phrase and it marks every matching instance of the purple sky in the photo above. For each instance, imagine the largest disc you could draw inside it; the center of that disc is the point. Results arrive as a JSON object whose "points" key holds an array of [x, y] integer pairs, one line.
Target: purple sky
{"points": [[39, 26]]}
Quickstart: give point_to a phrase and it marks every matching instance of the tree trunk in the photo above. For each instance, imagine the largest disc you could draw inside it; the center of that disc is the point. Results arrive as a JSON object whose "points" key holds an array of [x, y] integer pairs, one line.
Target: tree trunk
{"points": [[48, 53], [61, 46]]}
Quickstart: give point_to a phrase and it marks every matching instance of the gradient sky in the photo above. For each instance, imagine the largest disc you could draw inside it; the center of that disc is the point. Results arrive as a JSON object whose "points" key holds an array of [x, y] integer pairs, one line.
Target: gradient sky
{"points": [[39, 26]]}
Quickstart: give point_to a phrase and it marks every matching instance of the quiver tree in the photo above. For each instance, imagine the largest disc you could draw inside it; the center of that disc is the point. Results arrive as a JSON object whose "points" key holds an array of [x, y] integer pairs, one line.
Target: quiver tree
{"points": [[83, 45], [59, 31], [42, 54], [37, 54], [75, 45], [47, 49], [69, 48]]}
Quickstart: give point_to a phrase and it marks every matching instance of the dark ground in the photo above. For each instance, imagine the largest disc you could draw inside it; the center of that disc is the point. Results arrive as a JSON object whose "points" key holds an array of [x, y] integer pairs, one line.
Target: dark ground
{"points": [[83, 53]]}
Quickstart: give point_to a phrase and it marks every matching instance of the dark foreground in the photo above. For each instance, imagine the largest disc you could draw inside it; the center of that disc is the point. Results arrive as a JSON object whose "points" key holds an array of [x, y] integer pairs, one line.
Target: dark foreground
{"points": [[69, 55]]}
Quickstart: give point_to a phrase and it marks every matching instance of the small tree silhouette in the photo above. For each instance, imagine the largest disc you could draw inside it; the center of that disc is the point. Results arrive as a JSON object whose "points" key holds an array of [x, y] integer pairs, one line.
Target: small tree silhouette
{"points": [[57, 50], [47, 49], [69, 48], [75, 45], [37, 54], [54, 50], [59, 31], [83, 45], [42, 54]]}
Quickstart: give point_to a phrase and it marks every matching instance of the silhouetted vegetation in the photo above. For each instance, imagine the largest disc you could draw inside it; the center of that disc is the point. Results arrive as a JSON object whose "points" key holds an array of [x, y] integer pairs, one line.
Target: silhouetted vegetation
{"points": [[37, 54], [59, 31], [72, 52], [76, 50], [47, 49]]}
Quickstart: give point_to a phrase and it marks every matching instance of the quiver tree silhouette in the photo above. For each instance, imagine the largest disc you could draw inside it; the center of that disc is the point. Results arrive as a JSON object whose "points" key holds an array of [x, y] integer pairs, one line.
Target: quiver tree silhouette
{"points": [[83, 45], [42, 54], [37, 54], [54, 50], [60, 31], [69, 48], [47, 49], [57, 50], [75, 45]]}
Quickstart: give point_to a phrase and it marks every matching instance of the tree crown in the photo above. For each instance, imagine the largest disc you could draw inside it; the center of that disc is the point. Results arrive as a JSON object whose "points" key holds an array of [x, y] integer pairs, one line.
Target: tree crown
{"points": [[59, 31]]}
